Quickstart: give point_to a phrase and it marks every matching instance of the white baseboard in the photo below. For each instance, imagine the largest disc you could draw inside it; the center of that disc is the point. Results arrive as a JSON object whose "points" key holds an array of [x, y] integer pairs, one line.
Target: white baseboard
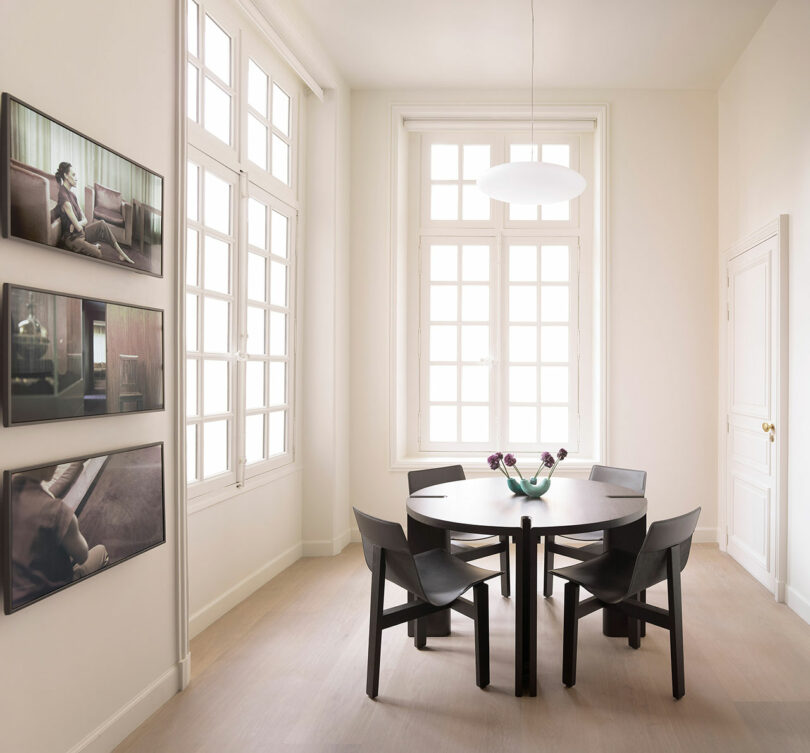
{"points": [[355, 536], [212, 611], [798, 603], [706, 536], [132, 714], [327, 547]]}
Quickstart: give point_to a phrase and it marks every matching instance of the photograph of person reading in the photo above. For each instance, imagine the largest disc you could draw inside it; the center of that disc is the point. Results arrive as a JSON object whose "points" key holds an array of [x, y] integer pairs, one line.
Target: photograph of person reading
{"points": [[77, 234]]}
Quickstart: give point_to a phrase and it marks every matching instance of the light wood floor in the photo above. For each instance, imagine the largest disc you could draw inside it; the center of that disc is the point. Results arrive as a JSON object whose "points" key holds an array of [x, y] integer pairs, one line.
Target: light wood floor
{"points": [[285, 671]]}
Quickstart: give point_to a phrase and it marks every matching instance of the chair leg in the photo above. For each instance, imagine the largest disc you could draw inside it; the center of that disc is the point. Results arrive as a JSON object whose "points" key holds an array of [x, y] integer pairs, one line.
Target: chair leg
{"points": [[570, 628], [676, 622], [420, 634], [481, 601], [633, 632], [505, 574], [375, 624], [548, 564], [642, 597]]}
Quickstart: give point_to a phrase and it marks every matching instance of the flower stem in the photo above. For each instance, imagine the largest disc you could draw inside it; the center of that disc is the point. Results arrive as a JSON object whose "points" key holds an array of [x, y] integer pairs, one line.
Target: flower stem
{"points": [[502, 469], [553, 468], [518, 472]]}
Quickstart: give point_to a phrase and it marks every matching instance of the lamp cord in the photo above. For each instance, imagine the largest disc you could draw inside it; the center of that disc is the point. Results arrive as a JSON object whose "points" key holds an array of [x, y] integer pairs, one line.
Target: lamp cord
{"points": [[536, 156]]}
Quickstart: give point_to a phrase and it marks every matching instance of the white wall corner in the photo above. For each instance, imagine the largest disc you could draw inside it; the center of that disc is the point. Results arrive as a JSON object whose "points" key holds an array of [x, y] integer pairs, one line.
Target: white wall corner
{"points": [[132, 714], [356, 536], [706, 536], [185, 671], [212, 611], [327, 547], [798, 603]]}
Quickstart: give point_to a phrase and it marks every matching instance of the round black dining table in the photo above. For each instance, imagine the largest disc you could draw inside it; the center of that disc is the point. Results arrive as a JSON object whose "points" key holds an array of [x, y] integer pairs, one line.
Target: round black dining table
{"points": [[486, 505]]}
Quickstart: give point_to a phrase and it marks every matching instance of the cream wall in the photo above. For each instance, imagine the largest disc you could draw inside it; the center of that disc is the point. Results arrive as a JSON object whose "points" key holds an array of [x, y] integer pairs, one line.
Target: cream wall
{"points": [[84, 667], [764, 170], [662, 226]]}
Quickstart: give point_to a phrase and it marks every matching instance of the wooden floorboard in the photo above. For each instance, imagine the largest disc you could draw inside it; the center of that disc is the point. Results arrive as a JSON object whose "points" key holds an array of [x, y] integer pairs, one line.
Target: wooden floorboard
{"points": [[285, 671]]}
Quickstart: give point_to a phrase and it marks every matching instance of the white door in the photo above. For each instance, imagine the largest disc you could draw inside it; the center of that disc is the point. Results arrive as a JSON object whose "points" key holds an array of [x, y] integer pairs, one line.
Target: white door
{"points": [[754, 483]]}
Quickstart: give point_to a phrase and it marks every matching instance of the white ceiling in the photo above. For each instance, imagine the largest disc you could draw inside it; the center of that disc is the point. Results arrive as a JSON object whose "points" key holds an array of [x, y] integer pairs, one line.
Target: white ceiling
{"points": [[660, 44]]}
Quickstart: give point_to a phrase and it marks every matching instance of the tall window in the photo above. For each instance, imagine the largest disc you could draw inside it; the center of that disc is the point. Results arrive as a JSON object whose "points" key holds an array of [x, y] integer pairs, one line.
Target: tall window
{"points": [[240, 252], [500, 320]]}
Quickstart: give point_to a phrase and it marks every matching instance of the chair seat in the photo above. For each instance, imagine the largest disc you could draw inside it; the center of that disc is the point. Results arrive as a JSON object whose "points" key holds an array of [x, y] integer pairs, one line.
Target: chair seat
{"points": [[444, 577], [465, 536], [607, 577], [585, 536]]}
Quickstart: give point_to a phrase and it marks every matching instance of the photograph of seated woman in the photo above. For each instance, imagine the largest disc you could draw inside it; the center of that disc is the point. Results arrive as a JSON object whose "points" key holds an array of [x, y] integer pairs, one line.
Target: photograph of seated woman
{"points": [[77, 235], [48, 549]]}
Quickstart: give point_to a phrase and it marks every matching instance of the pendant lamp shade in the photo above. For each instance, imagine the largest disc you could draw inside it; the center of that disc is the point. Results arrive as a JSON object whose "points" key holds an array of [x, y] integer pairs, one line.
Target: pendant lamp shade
{"points": [[531, 183]]}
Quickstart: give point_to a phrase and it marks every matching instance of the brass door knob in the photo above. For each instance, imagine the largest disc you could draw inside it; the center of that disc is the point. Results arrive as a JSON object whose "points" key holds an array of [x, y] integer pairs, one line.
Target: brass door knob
{"points": [[768, 427]]}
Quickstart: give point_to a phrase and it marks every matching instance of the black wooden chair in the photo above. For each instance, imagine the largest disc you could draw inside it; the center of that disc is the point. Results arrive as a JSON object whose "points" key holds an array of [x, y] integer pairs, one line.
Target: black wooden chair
{"points": [[459, 545], [435, 578], [617, 577], [635, 480]]}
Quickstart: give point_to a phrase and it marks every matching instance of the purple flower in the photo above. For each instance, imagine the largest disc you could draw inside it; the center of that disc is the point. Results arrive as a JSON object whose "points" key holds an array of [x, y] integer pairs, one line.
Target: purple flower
{"points": [[494, 461], [548, 460], [562, 454], [509, 459], [500, 455]]}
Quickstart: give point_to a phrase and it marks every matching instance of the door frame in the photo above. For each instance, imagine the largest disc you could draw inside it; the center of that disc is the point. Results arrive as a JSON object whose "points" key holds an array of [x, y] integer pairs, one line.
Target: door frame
{"points": [[776, 228]]}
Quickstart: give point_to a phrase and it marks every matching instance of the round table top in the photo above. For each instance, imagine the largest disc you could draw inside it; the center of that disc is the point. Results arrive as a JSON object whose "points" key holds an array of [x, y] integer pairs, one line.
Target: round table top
{"points": [[485, 505]]}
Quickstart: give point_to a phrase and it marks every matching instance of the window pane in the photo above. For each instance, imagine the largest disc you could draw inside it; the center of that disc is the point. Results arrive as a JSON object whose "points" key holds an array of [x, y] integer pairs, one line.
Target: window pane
{"points": [[443, 387], [523, 384], [474, 423], [191, 453], [191, 387], [254, 384], [257, 88], [257, 142], [475, 384], [559, 210], [278, 334], [278, 284], [257, 224], [192, 252], [215, 387], [474, 204], [191, 92], [191, 29], [443, 202], [522, 303], [216, 318], [281, 110], [554, 263], [191, 322], [217, 203], [217, 111], [215, 448], [444, 263], [192, 192], [476, 160], [255, 331], [522, 152], [523, 263], [278, 233], [276, 442], [475, 263], [554, 424], [523, 212], [444, 162], [217, 265], [554, 384], [443, 423], [523, 344], [554, 343], [281, 160], [256, 277], [475, 303], [522, 424], [443, 302], [557, 154], [254, 438], [474, 342], [278, 384], [554, 304], [443, 342], [217, 50]]}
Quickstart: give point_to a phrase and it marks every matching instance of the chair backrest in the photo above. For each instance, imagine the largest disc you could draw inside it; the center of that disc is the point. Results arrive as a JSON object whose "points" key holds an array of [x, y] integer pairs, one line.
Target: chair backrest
{"points": [[429, 476], [390, 538], [651, 562], [630, 479]]}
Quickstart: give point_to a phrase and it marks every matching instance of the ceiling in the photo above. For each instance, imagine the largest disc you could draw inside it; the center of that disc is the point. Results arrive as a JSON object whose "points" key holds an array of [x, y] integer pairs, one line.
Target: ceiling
{"points": [[659, 44]]}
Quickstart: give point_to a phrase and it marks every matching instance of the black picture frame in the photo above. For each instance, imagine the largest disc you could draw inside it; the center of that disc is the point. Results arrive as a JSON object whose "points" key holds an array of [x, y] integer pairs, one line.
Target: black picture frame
{"points": [[44, 381], [119, 193], [81, 494]]}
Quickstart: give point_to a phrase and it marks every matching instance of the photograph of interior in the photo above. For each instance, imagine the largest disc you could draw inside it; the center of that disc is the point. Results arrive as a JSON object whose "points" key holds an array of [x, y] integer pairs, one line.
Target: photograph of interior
{"points": [[71, 357], [477, 355]]}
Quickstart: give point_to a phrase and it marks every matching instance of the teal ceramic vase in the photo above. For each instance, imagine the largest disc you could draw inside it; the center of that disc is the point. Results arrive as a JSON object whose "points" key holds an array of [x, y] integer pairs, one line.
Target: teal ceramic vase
{"points": [[535, 490], [514, 485]]}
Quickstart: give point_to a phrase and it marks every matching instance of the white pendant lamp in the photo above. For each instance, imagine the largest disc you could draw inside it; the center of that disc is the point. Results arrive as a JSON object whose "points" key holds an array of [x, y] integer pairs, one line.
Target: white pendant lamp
{"points": [[531, 182]]}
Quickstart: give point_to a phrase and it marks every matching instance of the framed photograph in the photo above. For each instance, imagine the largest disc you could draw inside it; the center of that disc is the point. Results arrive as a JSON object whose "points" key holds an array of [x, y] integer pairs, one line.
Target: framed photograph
{"points": [[71, 357], [68, 520], [66, 191]]}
